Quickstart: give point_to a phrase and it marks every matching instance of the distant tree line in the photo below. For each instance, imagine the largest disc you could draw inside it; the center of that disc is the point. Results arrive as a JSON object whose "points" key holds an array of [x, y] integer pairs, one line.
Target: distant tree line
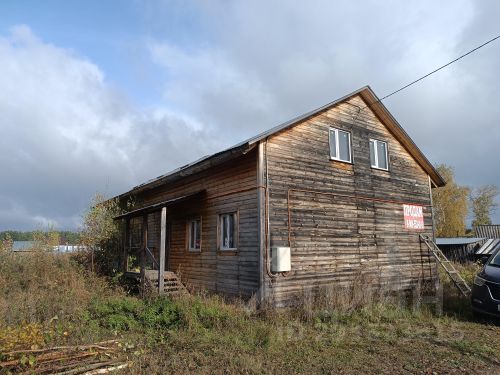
{"points": [[453, 204], [64, 236]]}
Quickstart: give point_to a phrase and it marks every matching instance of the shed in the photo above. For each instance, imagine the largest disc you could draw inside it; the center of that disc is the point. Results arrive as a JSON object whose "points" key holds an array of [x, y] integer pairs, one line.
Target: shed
{"points": [[488, 248], [337, 193], [460, 249], [22, 245]]}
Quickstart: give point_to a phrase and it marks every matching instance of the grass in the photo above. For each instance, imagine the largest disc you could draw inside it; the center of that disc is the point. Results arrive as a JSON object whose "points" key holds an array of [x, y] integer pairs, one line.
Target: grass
{"points": [[48, 299]]}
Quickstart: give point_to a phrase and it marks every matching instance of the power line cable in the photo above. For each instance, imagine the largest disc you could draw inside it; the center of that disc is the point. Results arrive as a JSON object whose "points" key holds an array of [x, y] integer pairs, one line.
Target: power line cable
{"points": [[441, 67], [360, 109]]}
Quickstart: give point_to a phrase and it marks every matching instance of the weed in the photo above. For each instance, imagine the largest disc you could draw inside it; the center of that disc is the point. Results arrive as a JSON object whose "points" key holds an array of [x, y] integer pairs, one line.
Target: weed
{"points": [[47, 299], [24, 335]]}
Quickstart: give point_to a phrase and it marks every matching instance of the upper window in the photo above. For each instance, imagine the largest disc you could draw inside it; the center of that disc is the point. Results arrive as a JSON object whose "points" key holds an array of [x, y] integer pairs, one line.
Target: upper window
{"points": [[378, 154], [340, 145], [194, 233], [228, 231]]}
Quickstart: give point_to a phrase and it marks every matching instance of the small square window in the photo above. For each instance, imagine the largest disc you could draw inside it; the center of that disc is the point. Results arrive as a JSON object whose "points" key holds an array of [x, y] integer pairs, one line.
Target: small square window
{"points": [[340, 145], [378, 154], [194, 235], [228, 231]]}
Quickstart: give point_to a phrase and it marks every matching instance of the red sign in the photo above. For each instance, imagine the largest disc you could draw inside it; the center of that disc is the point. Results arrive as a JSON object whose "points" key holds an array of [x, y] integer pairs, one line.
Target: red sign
{"points": [[414, 216]]}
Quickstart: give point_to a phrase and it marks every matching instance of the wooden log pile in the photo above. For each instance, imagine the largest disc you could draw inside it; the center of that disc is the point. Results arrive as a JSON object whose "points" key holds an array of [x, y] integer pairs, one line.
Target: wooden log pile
{"points": [[99, 358]]}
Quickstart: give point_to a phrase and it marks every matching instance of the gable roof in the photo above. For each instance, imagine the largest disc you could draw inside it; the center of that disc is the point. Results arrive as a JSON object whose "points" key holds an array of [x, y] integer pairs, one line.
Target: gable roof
{"points": [[368, 95]]}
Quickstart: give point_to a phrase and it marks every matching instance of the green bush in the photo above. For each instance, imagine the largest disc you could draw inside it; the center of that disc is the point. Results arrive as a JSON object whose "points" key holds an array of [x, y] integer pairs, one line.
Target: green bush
{"points": [[208, 315], [161, 313], [120, 313], [128, 313]]}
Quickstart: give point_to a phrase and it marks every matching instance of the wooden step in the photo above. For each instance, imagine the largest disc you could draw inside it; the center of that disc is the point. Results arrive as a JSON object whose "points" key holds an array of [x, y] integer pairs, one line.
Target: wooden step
{"points": [[172, 285]]}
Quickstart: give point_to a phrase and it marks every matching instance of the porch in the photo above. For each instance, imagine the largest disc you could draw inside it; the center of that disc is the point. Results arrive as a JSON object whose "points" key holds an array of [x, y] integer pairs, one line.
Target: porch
{"points": [[147, 244]]}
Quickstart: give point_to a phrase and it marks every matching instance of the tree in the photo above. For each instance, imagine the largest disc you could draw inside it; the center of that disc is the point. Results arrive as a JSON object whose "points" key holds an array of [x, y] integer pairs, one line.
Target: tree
{"points": [[6, 243], [483, 204], [450, 205], [101, 234]]}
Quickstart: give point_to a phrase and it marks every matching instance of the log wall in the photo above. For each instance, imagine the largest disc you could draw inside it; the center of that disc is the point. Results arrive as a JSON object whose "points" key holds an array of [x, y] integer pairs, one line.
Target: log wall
{"points": [[341, 220], [334, 239], [230, 187]]}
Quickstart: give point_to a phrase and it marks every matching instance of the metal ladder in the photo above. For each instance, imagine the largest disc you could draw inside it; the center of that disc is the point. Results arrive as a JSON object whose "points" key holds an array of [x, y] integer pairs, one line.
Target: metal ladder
{"points": [[458, 280]]}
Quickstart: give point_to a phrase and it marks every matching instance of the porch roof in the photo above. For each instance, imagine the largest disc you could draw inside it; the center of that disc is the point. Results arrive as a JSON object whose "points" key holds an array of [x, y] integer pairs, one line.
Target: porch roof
{"points": [[159, 205]]}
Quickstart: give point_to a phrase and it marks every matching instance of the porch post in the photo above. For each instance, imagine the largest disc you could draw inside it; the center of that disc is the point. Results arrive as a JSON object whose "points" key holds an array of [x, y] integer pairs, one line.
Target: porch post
{"points": [[126, 243], [143, 251], [163, 237]]}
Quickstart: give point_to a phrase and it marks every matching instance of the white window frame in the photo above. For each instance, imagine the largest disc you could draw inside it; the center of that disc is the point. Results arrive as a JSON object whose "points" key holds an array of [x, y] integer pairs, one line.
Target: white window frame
{"points": [[236, 229], [192, 225], [375, 150], [337, 145]]}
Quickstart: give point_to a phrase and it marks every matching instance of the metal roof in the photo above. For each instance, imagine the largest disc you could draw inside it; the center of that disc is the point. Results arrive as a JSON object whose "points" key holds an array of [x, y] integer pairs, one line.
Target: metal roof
{"points": [[458, 240], [22, 245], [488, 231], [489, 247], [365, 92]]}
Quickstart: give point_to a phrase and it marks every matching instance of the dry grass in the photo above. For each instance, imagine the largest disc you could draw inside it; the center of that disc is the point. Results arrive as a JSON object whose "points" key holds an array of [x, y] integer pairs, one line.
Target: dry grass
{"points": [[48, 299], [38, 286], [43, 298]]}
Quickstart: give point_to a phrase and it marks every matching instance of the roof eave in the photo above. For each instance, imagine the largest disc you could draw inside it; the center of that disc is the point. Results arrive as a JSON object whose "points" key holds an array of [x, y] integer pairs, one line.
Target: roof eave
{"points": [[388, 119], [191, 168], [365, 92]]}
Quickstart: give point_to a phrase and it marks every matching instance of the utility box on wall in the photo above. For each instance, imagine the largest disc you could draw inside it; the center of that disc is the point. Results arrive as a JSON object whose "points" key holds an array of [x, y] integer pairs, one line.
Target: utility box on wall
{"points": [[281, 259]]}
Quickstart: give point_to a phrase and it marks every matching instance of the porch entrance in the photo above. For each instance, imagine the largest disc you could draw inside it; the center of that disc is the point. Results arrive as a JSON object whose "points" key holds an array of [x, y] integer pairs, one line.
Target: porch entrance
{"points": [[146, 247]]}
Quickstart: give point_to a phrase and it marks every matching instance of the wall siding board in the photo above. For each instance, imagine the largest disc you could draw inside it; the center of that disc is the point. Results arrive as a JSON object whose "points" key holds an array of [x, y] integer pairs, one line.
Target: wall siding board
{"points": [[209, 269], [333, 239]]}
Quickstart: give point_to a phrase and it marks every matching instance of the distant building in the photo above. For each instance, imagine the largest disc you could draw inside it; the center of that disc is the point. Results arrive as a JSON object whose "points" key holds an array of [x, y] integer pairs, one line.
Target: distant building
{"points": [[28, 245], [489, 247], [460, 249], [69, 248], [22, 245], [488, 231]]}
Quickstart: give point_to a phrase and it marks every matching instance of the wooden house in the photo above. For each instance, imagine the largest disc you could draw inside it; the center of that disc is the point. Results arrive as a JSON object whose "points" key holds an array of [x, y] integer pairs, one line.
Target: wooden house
{"points": [[336, 192]]}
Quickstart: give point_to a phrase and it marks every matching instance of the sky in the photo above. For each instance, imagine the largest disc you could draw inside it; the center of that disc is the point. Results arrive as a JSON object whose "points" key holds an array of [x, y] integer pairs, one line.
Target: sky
{"points": [[99, 96]]}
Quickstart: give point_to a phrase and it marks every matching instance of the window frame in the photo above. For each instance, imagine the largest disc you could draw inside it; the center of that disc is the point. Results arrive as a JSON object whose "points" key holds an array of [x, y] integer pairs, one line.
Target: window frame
{"points": [[337, 145], [236, 233], [375, 149], [188, 234]]}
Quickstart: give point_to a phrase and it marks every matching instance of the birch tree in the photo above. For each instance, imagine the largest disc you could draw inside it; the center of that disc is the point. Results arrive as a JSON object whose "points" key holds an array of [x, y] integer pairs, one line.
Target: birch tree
{"points": [[450, 205], [483, 204]]}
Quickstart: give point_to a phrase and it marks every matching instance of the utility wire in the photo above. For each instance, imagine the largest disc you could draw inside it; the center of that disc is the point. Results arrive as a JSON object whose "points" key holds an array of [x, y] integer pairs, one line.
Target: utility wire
{"points": [[431, 73], [441, 67], [360, 109]]}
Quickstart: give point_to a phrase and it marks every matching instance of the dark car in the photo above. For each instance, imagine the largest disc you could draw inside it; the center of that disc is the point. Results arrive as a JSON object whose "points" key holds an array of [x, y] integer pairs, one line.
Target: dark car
{"points": [[485, 296]]}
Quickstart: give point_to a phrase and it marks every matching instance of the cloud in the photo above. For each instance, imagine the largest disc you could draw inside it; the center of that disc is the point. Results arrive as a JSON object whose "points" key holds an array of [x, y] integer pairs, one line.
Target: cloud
{"points": [[291, 58], [269, 61], [67, 133], [208, 84]]}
